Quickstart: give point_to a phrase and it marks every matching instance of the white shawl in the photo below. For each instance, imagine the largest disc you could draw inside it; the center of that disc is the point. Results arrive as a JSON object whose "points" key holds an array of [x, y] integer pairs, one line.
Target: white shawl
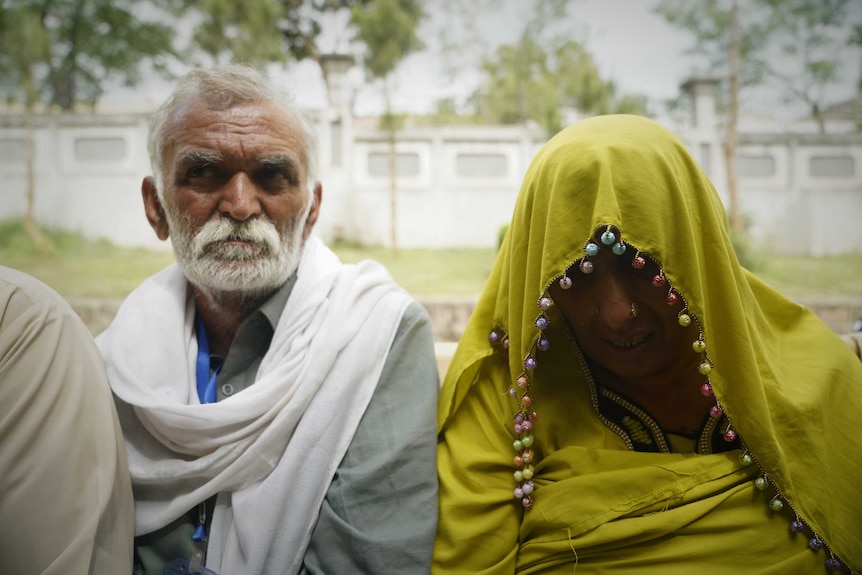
{"points": [[270, 452]]}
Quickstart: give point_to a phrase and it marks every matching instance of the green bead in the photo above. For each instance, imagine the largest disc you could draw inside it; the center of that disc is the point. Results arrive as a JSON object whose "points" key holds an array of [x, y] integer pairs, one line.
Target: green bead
{"points": [[527, 441], [699, 346], [776, 504], [518, 445], [684, 320], [745, 459], [704, 368], [761, 483], [518, 475], [528, 472]]}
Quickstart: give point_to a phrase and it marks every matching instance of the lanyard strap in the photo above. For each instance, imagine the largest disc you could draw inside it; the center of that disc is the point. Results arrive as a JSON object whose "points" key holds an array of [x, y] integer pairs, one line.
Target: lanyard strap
{"points": [[206, 381]]}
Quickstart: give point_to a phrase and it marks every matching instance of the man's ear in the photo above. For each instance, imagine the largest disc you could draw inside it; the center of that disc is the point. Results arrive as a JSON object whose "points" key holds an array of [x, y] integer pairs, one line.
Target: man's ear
{"points": [[314, 212], [153, 208]]}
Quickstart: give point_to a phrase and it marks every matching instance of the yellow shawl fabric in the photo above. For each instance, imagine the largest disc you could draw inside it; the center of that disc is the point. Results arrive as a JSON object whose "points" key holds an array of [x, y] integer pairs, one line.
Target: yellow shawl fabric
{"points": [[790, 387]]}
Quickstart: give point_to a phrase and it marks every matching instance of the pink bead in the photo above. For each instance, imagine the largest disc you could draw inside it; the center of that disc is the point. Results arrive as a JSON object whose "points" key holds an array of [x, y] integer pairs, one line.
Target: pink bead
{"points": [[519, 417], [587, 267], [715, 411], [638, 262], [729, 435], [706, 389], [527, 425], [527, 487], [527, 502], [672, 298], [658, 280], [519, 429]]}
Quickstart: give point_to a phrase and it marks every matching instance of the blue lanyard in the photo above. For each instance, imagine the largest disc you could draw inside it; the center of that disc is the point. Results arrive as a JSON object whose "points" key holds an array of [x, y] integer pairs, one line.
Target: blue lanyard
{"points": [[206, 382]]}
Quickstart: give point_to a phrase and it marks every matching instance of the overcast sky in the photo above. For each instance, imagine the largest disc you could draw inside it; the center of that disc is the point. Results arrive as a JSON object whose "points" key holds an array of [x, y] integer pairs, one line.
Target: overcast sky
{"points": [[631, 45]]}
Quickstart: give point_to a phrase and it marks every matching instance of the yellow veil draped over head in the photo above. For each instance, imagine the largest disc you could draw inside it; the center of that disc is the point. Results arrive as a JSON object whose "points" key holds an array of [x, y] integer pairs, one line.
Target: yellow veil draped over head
{"points": [[791, 389]]}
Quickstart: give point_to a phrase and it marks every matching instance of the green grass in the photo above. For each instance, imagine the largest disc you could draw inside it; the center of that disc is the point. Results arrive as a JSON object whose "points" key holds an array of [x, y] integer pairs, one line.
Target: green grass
{"points": [[78, 268]]}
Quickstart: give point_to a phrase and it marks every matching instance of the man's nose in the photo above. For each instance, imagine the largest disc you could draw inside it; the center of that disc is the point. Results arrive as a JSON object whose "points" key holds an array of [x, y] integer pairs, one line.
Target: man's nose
{"points": [[239, 198]]}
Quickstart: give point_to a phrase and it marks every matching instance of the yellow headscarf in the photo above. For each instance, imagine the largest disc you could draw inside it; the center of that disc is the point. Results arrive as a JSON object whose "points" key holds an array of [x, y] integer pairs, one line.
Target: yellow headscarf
{"points": [[791, 389]]}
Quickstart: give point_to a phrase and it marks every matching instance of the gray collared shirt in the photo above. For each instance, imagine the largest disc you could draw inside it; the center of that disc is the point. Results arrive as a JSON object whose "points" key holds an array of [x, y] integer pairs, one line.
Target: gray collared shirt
{"points": [[379, 515]]}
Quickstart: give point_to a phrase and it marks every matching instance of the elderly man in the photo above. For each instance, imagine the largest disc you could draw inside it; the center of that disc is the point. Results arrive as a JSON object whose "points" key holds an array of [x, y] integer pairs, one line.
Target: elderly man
{"points": [[278, 406]]}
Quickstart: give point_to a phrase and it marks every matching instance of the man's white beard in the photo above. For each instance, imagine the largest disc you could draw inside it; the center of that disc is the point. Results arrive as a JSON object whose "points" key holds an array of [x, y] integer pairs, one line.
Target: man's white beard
{"points": [[251, 270]]}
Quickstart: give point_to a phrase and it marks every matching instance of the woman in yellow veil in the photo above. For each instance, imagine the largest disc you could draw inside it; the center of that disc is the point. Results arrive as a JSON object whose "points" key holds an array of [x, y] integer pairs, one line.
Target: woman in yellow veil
{"points": [[626, 398]]}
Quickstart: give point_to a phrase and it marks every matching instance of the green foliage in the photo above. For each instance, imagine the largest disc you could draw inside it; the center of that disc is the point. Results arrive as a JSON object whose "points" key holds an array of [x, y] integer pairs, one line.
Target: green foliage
{"points": [[243, 31], [747, 254], [387, 28], [501, 235], [63, 51], [544, 73]]}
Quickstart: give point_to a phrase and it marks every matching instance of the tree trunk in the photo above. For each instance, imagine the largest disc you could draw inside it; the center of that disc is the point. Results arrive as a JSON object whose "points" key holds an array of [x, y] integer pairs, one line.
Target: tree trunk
{"points": [[736, 223], [393, 172], [30, 227]]}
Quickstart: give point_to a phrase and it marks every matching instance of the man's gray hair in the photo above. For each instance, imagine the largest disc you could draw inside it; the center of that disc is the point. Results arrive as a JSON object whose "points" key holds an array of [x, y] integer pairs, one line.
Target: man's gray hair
{"points": [[221, 88]]}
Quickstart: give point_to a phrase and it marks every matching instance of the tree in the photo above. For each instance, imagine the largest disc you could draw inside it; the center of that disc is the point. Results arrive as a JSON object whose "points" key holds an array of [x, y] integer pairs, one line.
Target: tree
{"points": [[544, 73], [85, 43], [804, 34], [61, 52], [387, 28], [242, 31], [264, 31]]}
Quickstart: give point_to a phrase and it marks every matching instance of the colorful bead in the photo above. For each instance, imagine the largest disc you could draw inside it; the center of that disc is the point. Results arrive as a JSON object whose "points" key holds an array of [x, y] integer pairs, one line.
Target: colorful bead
{"points": [[565, 282], [527, 425], [494, 337], [530, 363], [518, 445], [672, 298], [505, 343], [704, 368], [797, 526], [586, 267], [699, 346], [715, 411], [526, 401], [815, 543], [512, 393], [761, 483], [684, 320], [544, 344], [519, 429], [638, 262], [545, 303], [527, 441], [522, 381], [519, 493], [706, 389], [527, 502], [542, 322], [518, 475], [730, 435], [528, 472], [592, 249], [776, 504], [619, 248], [658, 280], [528, 487], [608, 238], [745, 459], [527, 456], [833, 563]]}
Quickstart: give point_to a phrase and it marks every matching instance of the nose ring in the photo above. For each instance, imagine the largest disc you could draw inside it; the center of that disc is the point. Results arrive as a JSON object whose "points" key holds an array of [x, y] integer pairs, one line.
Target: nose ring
{"points": [[634, 310]]}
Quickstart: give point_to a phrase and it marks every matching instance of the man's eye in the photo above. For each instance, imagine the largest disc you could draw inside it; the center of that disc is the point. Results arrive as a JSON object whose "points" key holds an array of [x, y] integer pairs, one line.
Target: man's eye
{"points": [[201, 172], [279, 176]]}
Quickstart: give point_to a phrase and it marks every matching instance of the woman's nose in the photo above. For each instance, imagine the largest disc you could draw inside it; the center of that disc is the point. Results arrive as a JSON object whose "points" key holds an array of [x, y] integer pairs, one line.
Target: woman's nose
{"points": [[614, 298]]}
